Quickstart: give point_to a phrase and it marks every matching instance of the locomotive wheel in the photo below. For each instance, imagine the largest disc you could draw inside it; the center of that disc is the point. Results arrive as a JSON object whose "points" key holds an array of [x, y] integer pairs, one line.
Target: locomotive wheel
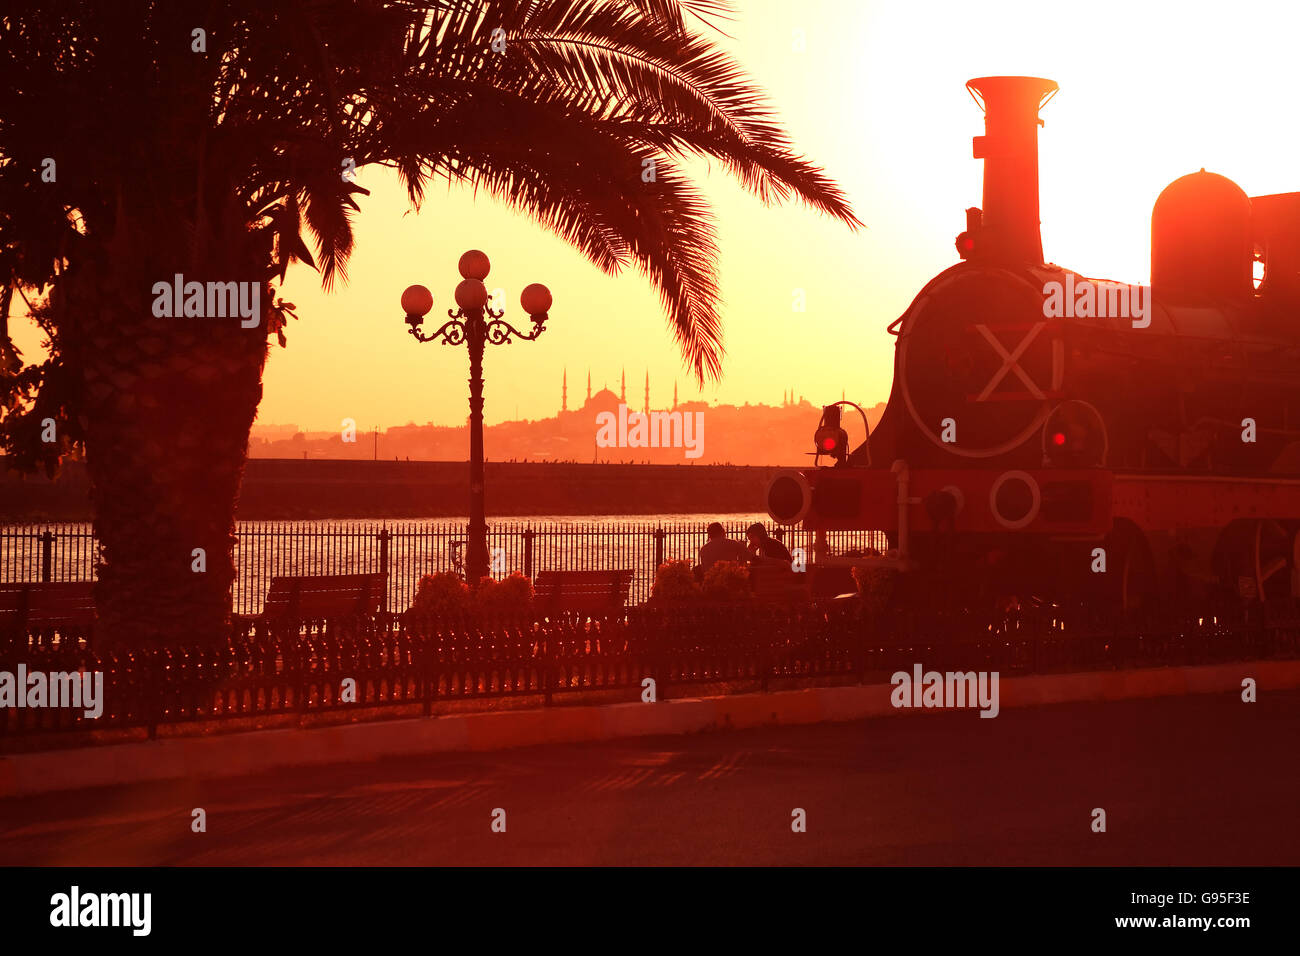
{"points": [[1272, 565], [1129, 584], [1255, 560]]}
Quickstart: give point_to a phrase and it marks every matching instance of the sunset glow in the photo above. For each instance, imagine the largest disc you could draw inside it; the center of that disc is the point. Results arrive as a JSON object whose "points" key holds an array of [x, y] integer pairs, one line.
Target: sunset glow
{"points": [[649, 433], [1137, 108]]}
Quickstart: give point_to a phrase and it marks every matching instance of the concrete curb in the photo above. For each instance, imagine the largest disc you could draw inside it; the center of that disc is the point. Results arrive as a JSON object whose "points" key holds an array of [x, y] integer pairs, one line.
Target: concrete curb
{"points": [[245, 753]]}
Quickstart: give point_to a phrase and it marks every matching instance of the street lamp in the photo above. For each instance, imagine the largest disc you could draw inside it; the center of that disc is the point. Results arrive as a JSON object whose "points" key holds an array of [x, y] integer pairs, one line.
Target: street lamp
{"points": [[476, 322]]}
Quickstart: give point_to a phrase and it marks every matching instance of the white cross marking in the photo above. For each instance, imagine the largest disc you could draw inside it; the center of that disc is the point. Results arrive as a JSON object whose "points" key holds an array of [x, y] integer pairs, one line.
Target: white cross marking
{"points": [[1009, 361]]}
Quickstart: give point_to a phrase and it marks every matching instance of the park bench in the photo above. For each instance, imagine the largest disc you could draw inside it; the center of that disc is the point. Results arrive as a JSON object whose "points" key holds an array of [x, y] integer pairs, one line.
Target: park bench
{"points": [[586, 592], [830, 581], [46, 605], [778, 584], [322, 597]]}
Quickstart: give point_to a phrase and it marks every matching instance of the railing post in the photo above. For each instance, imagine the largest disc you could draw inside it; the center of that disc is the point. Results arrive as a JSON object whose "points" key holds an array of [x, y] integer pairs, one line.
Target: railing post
{"points": [[660, 534], [154, 692], [384, 537], [548, 678], [300, 665], [47, 555], [428, 676], [528, 552], [864, 626]]}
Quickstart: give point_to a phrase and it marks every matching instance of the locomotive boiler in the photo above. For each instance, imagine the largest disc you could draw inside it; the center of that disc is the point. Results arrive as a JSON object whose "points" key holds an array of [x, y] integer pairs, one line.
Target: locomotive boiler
{"points": [[1054, 435]]}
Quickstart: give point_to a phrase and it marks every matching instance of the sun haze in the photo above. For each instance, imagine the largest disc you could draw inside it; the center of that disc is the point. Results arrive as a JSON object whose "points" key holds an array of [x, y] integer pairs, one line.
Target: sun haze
{"points": [[876, 96]]}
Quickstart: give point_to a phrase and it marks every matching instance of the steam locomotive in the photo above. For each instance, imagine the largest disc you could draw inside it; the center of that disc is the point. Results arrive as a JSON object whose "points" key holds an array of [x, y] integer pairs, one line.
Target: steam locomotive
{"points": [[1075, 439]]}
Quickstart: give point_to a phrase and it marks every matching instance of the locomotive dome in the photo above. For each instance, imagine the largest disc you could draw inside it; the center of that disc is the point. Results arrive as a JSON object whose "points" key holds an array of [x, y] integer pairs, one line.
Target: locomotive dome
{"points": [[1201, 244]]}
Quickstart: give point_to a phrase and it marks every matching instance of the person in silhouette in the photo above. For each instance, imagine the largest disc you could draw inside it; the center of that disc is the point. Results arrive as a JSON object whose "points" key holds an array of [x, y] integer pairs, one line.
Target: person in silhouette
{"points": [[719, 548], [764, 549]]}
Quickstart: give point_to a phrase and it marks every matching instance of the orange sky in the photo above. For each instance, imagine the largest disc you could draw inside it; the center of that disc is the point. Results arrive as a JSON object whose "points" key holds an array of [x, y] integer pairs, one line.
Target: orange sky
{"points": [[1149, 92]]}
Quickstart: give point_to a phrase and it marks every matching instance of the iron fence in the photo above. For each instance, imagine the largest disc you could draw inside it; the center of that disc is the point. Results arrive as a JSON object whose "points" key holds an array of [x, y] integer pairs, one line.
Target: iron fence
{"points": [[55, 552], [305, 666], [404, 549]]}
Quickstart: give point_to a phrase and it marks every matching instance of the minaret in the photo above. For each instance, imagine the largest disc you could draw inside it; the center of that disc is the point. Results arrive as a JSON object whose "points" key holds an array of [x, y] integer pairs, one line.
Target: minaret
{"points": [[647, 392], [622, 389], [588, 384], [564, 392]]}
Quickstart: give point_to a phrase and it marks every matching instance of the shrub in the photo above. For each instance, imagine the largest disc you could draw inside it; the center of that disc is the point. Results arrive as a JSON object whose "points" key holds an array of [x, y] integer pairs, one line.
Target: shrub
{"points": [[876, 585], [440, 594], [726, 581], [675, 581], [510, 597]]}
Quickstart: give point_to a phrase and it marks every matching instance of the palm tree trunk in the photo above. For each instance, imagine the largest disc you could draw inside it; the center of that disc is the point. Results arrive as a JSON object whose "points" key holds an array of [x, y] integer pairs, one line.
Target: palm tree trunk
{"points": [[167, 407]]}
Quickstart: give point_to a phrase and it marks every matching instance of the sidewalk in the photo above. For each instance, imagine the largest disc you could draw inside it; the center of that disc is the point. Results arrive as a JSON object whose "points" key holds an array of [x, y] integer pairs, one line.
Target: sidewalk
{"points": [[246, 753]]}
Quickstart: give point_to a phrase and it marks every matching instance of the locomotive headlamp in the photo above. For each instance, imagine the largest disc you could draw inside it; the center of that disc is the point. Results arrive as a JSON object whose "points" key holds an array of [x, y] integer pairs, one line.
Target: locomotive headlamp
{"points": [[966, 243], [831, 440], [1074, 436]]}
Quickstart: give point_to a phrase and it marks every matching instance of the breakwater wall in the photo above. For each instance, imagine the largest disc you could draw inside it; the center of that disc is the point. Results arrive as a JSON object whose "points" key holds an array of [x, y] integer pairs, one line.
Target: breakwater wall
{"points": [[282, 488]]}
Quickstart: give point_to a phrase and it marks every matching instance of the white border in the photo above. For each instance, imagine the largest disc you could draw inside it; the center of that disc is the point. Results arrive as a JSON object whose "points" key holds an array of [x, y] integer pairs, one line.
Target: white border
{"points": [[1035, 492]]}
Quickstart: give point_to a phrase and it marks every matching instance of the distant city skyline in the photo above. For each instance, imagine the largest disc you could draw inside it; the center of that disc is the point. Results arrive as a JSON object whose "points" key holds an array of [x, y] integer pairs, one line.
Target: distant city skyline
{"points": [[717, 433], [788, 397]]}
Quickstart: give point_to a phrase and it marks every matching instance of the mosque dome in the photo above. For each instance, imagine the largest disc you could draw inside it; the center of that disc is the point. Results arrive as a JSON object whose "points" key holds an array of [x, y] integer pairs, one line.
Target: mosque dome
{"points": [[602, 401]]}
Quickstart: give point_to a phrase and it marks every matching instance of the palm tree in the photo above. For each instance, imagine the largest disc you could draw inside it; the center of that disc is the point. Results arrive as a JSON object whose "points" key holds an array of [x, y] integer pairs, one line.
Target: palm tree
{"points": [[143, 139]]}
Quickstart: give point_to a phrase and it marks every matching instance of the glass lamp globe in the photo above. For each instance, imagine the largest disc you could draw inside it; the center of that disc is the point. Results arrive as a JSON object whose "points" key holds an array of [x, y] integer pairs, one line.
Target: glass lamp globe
{"points": [[474, 265], [417, 300], [535, 299], [471, 295]]}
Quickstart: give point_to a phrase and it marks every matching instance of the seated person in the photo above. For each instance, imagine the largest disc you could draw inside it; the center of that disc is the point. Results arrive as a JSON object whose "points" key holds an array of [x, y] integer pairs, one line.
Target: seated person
{"points": [[720, 548], [764, 549]]}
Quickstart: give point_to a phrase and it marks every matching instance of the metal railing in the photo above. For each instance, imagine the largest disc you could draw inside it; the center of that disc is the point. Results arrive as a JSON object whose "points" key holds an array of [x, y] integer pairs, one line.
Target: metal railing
{"points": [[406, 550], [56, 552], [303, 667]]}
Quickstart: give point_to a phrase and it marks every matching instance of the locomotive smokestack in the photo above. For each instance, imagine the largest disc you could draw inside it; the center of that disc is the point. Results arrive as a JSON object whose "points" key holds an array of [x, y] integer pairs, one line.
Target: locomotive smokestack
{"points": [[1009, 148]]}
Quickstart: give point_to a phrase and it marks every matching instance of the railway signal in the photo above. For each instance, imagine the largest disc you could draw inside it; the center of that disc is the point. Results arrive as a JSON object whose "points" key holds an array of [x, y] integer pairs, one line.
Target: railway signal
{"points": [[830, 439]]}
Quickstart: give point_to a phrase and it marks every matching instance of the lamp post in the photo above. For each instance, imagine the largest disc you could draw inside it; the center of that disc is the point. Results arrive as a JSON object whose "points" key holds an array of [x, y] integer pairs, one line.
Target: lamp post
{"points": [[476, 323]]}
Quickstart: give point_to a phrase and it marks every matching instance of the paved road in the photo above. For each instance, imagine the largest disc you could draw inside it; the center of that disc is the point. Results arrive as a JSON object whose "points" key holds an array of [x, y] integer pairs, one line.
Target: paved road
{"points": [[1187, 781]]}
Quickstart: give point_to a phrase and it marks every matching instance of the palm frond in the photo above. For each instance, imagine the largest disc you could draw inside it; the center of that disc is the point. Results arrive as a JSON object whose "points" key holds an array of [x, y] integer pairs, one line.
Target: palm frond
{"points": [[556, 122]]}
